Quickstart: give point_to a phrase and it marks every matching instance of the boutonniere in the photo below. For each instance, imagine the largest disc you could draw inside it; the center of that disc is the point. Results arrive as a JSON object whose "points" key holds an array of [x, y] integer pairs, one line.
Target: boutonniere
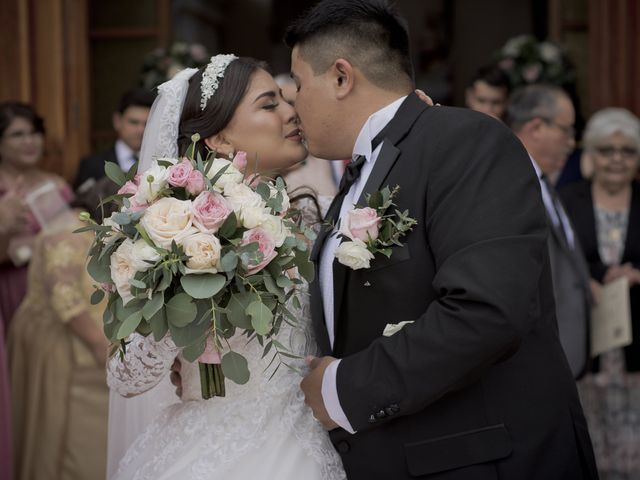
{"points": [[372, 229]]}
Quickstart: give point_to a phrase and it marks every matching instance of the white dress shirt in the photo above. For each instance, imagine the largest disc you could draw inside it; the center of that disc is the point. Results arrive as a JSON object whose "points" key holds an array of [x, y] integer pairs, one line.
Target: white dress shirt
{"points": [[374, 125], [547, 198], [126, 157]]}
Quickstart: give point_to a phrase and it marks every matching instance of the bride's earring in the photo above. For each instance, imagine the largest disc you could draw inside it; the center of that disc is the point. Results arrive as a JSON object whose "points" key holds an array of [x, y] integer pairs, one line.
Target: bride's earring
{"points": [[231, 155]]}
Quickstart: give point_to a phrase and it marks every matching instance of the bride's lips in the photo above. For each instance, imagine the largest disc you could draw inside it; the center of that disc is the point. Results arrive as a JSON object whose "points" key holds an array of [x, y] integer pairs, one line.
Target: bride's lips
{"points": [[294, 135]]}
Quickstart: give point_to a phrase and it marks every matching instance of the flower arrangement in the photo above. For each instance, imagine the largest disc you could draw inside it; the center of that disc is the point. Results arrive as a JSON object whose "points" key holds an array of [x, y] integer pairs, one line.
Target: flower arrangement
{"points": [[200, 252], [372, 229], [527, 60], [162, 64]]}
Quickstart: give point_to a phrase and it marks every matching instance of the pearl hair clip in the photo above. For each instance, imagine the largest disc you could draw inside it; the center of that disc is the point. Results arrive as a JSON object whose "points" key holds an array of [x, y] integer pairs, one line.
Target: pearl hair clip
{"points": [[213, 73]]}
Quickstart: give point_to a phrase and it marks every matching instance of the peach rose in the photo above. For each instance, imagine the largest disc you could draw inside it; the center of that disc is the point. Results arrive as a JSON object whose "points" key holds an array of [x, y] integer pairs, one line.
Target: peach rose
{"points": [[361, 224], [210, 210], [266, 246]]}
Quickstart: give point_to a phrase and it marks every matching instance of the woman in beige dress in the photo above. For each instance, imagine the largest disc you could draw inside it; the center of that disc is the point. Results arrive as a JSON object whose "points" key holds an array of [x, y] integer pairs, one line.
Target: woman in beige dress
{"points": [[57, 353]]}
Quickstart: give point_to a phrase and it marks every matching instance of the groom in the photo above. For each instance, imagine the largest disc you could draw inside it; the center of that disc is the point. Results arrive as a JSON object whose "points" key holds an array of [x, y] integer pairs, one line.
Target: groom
{"points": [[477, 387]]}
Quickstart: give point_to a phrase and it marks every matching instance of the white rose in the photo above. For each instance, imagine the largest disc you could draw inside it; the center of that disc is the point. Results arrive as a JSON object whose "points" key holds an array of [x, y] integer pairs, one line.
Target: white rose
{"points": [[276, 229], [152, 181], [168, 219], [393, 328], [143, 256], [231, 175], [354, 254], [240, 195], [115, 233], [251, 217], [286, 204], [204, 252]]}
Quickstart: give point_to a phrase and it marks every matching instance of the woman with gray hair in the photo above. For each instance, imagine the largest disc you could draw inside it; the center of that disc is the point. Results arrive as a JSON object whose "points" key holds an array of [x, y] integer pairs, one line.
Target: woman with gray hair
{"points": [[605, 212]]}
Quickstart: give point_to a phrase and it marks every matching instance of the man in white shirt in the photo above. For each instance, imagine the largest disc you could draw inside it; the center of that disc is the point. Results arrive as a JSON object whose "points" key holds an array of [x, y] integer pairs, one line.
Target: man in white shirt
{"points": [[129, 121], [450, 394]]}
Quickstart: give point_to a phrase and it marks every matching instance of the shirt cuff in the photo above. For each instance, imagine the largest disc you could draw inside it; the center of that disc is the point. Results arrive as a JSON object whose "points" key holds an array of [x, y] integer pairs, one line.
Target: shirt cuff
{"points": [[330, 397]]}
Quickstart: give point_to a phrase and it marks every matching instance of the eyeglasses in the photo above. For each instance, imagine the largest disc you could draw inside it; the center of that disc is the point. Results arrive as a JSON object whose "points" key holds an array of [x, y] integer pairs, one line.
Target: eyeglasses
{"points": [[22, 136], [609, 151], [568, 130]]}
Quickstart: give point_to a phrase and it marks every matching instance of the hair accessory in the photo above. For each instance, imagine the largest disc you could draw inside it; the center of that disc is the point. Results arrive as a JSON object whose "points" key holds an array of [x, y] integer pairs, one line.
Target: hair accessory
{"points": [[213, 72]]}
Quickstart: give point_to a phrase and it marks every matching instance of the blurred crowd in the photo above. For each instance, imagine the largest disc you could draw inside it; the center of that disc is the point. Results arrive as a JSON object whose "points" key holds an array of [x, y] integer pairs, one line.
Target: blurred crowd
{"points": [[53, 395]]}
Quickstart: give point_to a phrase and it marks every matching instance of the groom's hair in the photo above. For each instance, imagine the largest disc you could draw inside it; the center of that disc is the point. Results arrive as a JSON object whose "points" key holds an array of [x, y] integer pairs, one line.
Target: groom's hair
{"points": [[370, 34]]}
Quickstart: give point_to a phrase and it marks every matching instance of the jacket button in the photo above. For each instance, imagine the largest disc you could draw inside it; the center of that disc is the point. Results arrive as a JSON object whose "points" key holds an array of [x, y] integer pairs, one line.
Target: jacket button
{"points": [[381, 414], [390, 411], [344, 447], [372, 419], [394, 407]]}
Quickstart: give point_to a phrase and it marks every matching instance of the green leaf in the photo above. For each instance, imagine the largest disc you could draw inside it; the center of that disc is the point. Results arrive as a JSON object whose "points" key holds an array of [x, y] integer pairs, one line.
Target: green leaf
{"points": [[376, 200], [204, 285], [219, 174], [237, 308], [99, 269], [97, 296], [305, 267], [229, 261], [264, 191], [167, 278], [271, 286], [261, 317], [181, 310], [152, 306], [121, 218], [112, 170], [131, 174], [284, 282], [192, 352], [159, 325], [130, 324], [190, 334], [137, 283], [229, 226], [235, 368]]}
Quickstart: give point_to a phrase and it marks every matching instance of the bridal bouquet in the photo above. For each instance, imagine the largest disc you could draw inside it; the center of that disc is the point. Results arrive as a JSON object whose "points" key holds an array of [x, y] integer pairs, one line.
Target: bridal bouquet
{"points": [[199, 251]]}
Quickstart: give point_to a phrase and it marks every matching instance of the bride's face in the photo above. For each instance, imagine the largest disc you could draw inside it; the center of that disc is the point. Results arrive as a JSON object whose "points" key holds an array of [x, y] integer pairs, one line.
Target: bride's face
{"points": [[265, 126]]}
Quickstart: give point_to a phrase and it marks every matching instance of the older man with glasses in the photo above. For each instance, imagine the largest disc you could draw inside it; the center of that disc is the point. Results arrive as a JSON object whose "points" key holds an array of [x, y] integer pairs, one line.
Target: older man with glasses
{"points": [[542, 116]]}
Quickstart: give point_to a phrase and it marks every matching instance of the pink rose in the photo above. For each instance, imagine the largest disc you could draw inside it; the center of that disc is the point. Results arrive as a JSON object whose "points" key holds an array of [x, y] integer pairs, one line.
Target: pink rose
{"points": [[195, 183], [240, 161], [211, 354], [108, 287], [135, 206], [532, 73], [266, 246], [210, 210], [128, 188], [361, 224], [178, 175]]}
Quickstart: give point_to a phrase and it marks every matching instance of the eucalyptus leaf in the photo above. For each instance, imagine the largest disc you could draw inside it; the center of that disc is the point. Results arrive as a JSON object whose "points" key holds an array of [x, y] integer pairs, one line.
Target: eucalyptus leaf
{"points": [[229, 261], [204, 285], [181, 311], [192, 352], [272, 287], [264, 191], [121, 218], [167, 278], [305, 267], [261, 317], [190, 334], [229, 227], [159, 325], [99, 269], [284, 282], [237, 308], [97, 296], [137, 283], [235, 368], [152, 306], [130, 324], [113, 171]]}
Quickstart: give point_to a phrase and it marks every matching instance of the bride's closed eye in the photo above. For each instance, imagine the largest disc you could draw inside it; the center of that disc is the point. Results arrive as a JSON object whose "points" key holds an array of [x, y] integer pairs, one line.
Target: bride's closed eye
{"points": [[270, 106]]}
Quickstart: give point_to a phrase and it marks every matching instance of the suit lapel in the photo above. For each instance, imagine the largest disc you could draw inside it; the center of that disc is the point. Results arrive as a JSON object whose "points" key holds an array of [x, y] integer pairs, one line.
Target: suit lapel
{"points": [[386, 159]]}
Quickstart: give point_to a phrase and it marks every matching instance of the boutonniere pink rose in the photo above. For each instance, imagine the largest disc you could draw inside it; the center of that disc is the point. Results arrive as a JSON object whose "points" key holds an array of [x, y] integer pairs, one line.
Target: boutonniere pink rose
{"points": [[372, 229]]}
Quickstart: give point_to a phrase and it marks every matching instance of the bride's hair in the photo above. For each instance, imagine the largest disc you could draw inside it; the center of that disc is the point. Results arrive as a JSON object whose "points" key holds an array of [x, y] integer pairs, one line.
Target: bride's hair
{"points": [[220, 107]]}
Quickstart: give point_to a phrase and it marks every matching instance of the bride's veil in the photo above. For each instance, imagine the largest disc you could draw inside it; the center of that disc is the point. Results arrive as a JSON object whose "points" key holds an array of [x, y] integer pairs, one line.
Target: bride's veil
{"points": [[161, 132]]}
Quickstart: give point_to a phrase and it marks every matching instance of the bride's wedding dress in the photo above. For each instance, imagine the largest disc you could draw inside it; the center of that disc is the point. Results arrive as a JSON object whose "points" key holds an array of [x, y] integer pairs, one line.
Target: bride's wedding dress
{"points": [[260, 430]]}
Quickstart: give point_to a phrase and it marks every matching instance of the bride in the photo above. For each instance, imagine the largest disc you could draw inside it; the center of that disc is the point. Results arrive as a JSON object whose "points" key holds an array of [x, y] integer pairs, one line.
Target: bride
{"points": [[263, 429]]}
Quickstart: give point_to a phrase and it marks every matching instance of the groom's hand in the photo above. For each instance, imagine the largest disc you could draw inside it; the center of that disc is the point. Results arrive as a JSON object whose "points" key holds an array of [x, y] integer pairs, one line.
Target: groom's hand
{"points": [[175, 377], [312, 388]]}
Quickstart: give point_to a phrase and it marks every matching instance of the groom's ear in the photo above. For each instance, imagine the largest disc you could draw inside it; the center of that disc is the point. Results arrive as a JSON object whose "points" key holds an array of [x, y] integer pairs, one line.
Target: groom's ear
{"points": [[220, 144], [342, 78]]}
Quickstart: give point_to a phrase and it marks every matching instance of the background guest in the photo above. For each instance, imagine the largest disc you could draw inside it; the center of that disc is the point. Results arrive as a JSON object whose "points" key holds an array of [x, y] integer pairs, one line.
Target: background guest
{"points": [[129, 121], [489, 91], [21, 148], [542, 117], [57, 352], [606, 214]]}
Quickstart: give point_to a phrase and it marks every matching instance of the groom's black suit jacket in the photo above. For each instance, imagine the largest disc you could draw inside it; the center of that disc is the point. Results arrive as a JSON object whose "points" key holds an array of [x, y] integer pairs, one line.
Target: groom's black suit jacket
{"points": [[478, 386]]}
